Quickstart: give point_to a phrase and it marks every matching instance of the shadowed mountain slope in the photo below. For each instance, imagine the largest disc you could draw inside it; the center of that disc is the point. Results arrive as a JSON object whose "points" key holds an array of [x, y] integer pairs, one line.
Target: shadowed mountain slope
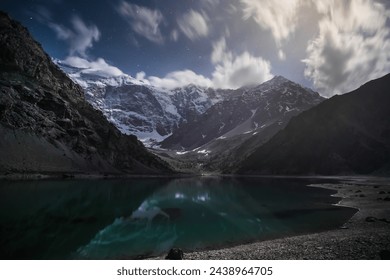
{"points": [[347, 134]]}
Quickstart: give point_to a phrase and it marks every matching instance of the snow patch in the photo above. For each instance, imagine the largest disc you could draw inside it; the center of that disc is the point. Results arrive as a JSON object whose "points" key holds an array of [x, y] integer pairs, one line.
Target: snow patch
{"points": [[205, 152], [253, 112]]}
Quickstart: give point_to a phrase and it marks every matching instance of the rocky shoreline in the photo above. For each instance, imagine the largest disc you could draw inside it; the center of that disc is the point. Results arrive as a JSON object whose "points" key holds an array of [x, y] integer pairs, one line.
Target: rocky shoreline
{"points": [[365, 236]]}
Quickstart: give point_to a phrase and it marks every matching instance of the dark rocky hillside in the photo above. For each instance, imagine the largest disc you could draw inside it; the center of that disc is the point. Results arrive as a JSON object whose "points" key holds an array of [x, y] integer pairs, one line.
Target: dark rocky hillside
{"points": [[347, 134], [45, 123]]}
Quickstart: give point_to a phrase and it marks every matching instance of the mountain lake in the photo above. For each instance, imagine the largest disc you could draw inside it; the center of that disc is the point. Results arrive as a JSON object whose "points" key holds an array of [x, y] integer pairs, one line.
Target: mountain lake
{"points": [[142, 217]]}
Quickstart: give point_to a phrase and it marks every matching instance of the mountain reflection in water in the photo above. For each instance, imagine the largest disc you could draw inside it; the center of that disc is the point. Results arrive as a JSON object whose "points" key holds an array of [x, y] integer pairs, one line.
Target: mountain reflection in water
{"points": [[110, 219]]}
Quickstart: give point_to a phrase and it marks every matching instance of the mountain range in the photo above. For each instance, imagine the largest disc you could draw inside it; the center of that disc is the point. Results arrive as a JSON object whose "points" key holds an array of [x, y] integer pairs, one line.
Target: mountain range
{"points": [[212, 129]]}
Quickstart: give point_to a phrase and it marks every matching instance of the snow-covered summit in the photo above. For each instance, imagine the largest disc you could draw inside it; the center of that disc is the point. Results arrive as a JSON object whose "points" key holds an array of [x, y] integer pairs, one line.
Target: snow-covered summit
{"points": [[138, 108], [85, 74]]}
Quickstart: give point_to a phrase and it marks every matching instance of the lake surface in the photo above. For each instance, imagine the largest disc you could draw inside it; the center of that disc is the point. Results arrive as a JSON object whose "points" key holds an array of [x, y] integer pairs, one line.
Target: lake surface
{"points": [[133, 218]]}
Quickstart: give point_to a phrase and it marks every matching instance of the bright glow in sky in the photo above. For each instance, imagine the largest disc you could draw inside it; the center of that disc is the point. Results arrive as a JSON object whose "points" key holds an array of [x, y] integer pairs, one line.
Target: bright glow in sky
{"points": [[332, 46]]}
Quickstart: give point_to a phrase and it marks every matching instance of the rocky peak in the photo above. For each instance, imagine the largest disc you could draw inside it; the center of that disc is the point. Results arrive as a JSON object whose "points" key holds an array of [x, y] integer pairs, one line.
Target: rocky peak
{"points": [[279, 80]]}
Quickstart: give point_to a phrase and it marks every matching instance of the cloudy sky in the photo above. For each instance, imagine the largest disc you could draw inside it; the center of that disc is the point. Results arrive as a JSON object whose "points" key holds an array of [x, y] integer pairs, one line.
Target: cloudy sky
{"points": [[332, 46]]}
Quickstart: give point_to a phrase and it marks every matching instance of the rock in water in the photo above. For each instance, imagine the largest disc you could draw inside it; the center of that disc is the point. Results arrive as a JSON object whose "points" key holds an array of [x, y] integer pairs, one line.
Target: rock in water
{"points": [[46, 125], [175, 254]]}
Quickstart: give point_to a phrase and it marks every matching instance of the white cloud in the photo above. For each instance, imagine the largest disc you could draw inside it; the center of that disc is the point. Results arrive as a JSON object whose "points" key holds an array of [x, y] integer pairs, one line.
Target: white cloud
{"points": [[194, 25], [278, 16], [230, 71], [352, 46], [236, 71], [98, 67], [179, 79], [282, 55], [84, 36], [175, 35], [243, 70], [140, 75], [80, 37], [144, 21], [62, 32], [219, 53]]}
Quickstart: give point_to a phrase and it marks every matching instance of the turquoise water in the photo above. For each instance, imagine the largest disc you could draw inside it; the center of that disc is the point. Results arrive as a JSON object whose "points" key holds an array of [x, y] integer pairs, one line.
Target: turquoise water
{"points": [[135, 218]]}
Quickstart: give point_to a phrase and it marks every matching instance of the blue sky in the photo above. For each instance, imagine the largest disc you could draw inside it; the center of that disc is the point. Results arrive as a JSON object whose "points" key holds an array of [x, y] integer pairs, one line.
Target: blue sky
{"points": [[330, 46]]}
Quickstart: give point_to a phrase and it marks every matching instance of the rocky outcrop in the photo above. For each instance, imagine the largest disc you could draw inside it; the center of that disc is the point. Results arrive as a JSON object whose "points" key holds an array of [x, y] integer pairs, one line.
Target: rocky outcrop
{"points": [[45, 122]]}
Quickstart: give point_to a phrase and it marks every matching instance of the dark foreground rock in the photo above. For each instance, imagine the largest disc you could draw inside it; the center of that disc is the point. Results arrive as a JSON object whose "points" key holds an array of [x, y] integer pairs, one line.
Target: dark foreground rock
{"points": [[175, 254]]}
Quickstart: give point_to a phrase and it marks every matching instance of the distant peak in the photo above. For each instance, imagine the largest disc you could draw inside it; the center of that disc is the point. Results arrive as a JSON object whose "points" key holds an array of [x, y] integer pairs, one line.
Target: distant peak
{"points": [[279, 79]]}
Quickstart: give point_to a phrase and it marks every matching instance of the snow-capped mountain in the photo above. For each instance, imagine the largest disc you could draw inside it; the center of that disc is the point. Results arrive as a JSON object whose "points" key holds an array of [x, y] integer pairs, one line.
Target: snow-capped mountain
{"points": [[248, 110], [140, 109], [229, 131]]}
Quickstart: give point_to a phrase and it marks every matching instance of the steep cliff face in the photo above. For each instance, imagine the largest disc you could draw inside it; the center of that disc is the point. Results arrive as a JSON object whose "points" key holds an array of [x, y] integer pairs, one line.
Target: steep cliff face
{"points": [[46, 124]]}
